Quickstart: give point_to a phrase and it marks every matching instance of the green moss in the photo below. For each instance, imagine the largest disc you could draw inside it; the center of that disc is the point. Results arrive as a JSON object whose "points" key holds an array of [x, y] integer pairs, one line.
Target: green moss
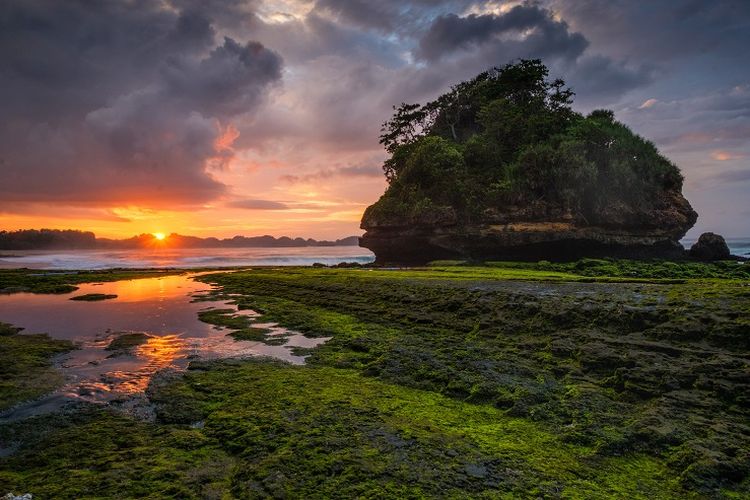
{"points": [[25, 368], [273, 430], [36, 281], [224, 318], [616, 366], [241, 327], [499, 381], [94, 297], [128, 341], [638, 269], [97, 454], [254, 333]]}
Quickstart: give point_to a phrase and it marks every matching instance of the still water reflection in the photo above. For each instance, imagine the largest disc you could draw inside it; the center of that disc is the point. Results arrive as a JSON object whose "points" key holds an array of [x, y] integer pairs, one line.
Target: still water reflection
{"points": [[161, 309]]}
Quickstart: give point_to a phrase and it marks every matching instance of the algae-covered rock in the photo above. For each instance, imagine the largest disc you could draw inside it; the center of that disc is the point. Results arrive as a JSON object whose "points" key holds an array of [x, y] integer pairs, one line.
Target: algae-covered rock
{"points": [[710, 246], [501, 167], [26, 370], [94, 297], [127, 341]]}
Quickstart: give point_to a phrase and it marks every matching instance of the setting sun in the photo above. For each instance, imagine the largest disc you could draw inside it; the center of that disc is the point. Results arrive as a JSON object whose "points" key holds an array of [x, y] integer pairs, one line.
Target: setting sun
{"points": [[160, 236]]}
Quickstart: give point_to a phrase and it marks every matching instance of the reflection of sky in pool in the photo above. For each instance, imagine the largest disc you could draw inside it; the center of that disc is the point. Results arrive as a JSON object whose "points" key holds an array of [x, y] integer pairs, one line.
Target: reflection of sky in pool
{"points": [[159, 307]]}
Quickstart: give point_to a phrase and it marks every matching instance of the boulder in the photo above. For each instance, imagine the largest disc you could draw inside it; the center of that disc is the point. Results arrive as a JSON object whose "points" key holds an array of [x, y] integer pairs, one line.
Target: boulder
{"points": [[710, 246]]}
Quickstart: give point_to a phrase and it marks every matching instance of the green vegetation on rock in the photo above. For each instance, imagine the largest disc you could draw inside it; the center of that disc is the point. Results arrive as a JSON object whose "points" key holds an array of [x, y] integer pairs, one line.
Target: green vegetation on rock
{"points": [[25, 368], [654, 367], [89, 452], [127, 341], [501, 168], [241, 327], [508, 138], [37, 281], [653, 270], [94, 297], [259, 429], [597, 379]]}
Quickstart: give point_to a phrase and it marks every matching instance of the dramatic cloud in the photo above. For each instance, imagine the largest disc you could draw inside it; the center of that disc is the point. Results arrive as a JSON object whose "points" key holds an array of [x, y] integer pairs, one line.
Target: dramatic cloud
{"points": [[525, 27], [120, 102], [128, 109]]}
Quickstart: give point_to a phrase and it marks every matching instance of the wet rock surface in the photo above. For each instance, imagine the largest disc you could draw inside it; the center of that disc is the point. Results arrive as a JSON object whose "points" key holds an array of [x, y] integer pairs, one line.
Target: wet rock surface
{"points": [[531, 233], [444, 382], [710, 246], [622, 367], [126, 341]]}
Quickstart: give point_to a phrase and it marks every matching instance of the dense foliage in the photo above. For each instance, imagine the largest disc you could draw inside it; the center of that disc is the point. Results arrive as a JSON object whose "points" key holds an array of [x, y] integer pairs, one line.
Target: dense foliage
{"points": [[509, 137]]}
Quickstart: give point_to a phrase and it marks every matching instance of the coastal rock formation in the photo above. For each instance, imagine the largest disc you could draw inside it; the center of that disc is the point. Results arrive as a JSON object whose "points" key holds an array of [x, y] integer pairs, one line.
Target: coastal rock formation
{"points": [[531, 233], [501, 167], [710, 246]]}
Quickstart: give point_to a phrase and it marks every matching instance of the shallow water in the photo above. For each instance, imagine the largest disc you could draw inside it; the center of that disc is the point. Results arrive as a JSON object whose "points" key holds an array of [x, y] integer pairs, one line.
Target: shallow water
{"points": [[163, 308]]}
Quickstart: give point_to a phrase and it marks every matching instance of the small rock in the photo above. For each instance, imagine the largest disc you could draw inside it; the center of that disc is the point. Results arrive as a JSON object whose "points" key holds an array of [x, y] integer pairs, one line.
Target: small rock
{"points": [[476, 471], [710, 246], [11, 496]]}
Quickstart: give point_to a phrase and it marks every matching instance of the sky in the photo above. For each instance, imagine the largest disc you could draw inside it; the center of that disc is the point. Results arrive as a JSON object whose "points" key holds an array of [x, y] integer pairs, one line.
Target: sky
{"points": [[225, 117]]}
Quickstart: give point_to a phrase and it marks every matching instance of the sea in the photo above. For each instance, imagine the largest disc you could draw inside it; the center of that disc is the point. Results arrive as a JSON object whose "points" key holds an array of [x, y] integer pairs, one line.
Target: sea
{"points": [[194, 258], [184, 258]]}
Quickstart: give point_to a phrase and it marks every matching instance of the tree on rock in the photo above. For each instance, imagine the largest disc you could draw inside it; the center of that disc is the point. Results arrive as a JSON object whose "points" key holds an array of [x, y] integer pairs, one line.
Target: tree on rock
{"points": [[508, 143]]}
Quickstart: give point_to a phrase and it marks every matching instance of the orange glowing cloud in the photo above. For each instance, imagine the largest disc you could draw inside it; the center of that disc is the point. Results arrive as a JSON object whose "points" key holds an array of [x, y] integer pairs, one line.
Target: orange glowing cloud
{"points": [[226, 138], [726, 156]]}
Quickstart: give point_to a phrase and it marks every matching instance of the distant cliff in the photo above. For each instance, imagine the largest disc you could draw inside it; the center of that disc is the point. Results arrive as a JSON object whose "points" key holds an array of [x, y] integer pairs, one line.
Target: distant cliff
{"points": [[502, 167], [45, 239]]}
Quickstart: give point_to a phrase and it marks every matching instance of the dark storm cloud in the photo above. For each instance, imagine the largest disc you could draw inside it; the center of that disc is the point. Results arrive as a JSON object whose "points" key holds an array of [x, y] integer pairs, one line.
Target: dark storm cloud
{"points": [[66, 58], [474, 42], [120, 101], [449, 33], [227, 82], [346, 80], [107, 101]]}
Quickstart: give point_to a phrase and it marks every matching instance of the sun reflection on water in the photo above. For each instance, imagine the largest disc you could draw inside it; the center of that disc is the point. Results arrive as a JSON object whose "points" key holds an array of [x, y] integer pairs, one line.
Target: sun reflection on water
{"points": [[141, 290], [159, 309]]}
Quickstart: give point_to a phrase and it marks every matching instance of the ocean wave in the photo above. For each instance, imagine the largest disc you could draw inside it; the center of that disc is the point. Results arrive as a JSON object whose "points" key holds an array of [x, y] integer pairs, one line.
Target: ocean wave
{"points": [[186, 258]]}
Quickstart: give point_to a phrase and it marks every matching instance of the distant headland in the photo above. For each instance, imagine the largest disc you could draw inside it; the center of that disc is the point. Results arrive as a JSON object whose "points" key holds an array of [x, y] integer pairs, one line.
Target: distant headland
{"points": [[46, 239]]}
